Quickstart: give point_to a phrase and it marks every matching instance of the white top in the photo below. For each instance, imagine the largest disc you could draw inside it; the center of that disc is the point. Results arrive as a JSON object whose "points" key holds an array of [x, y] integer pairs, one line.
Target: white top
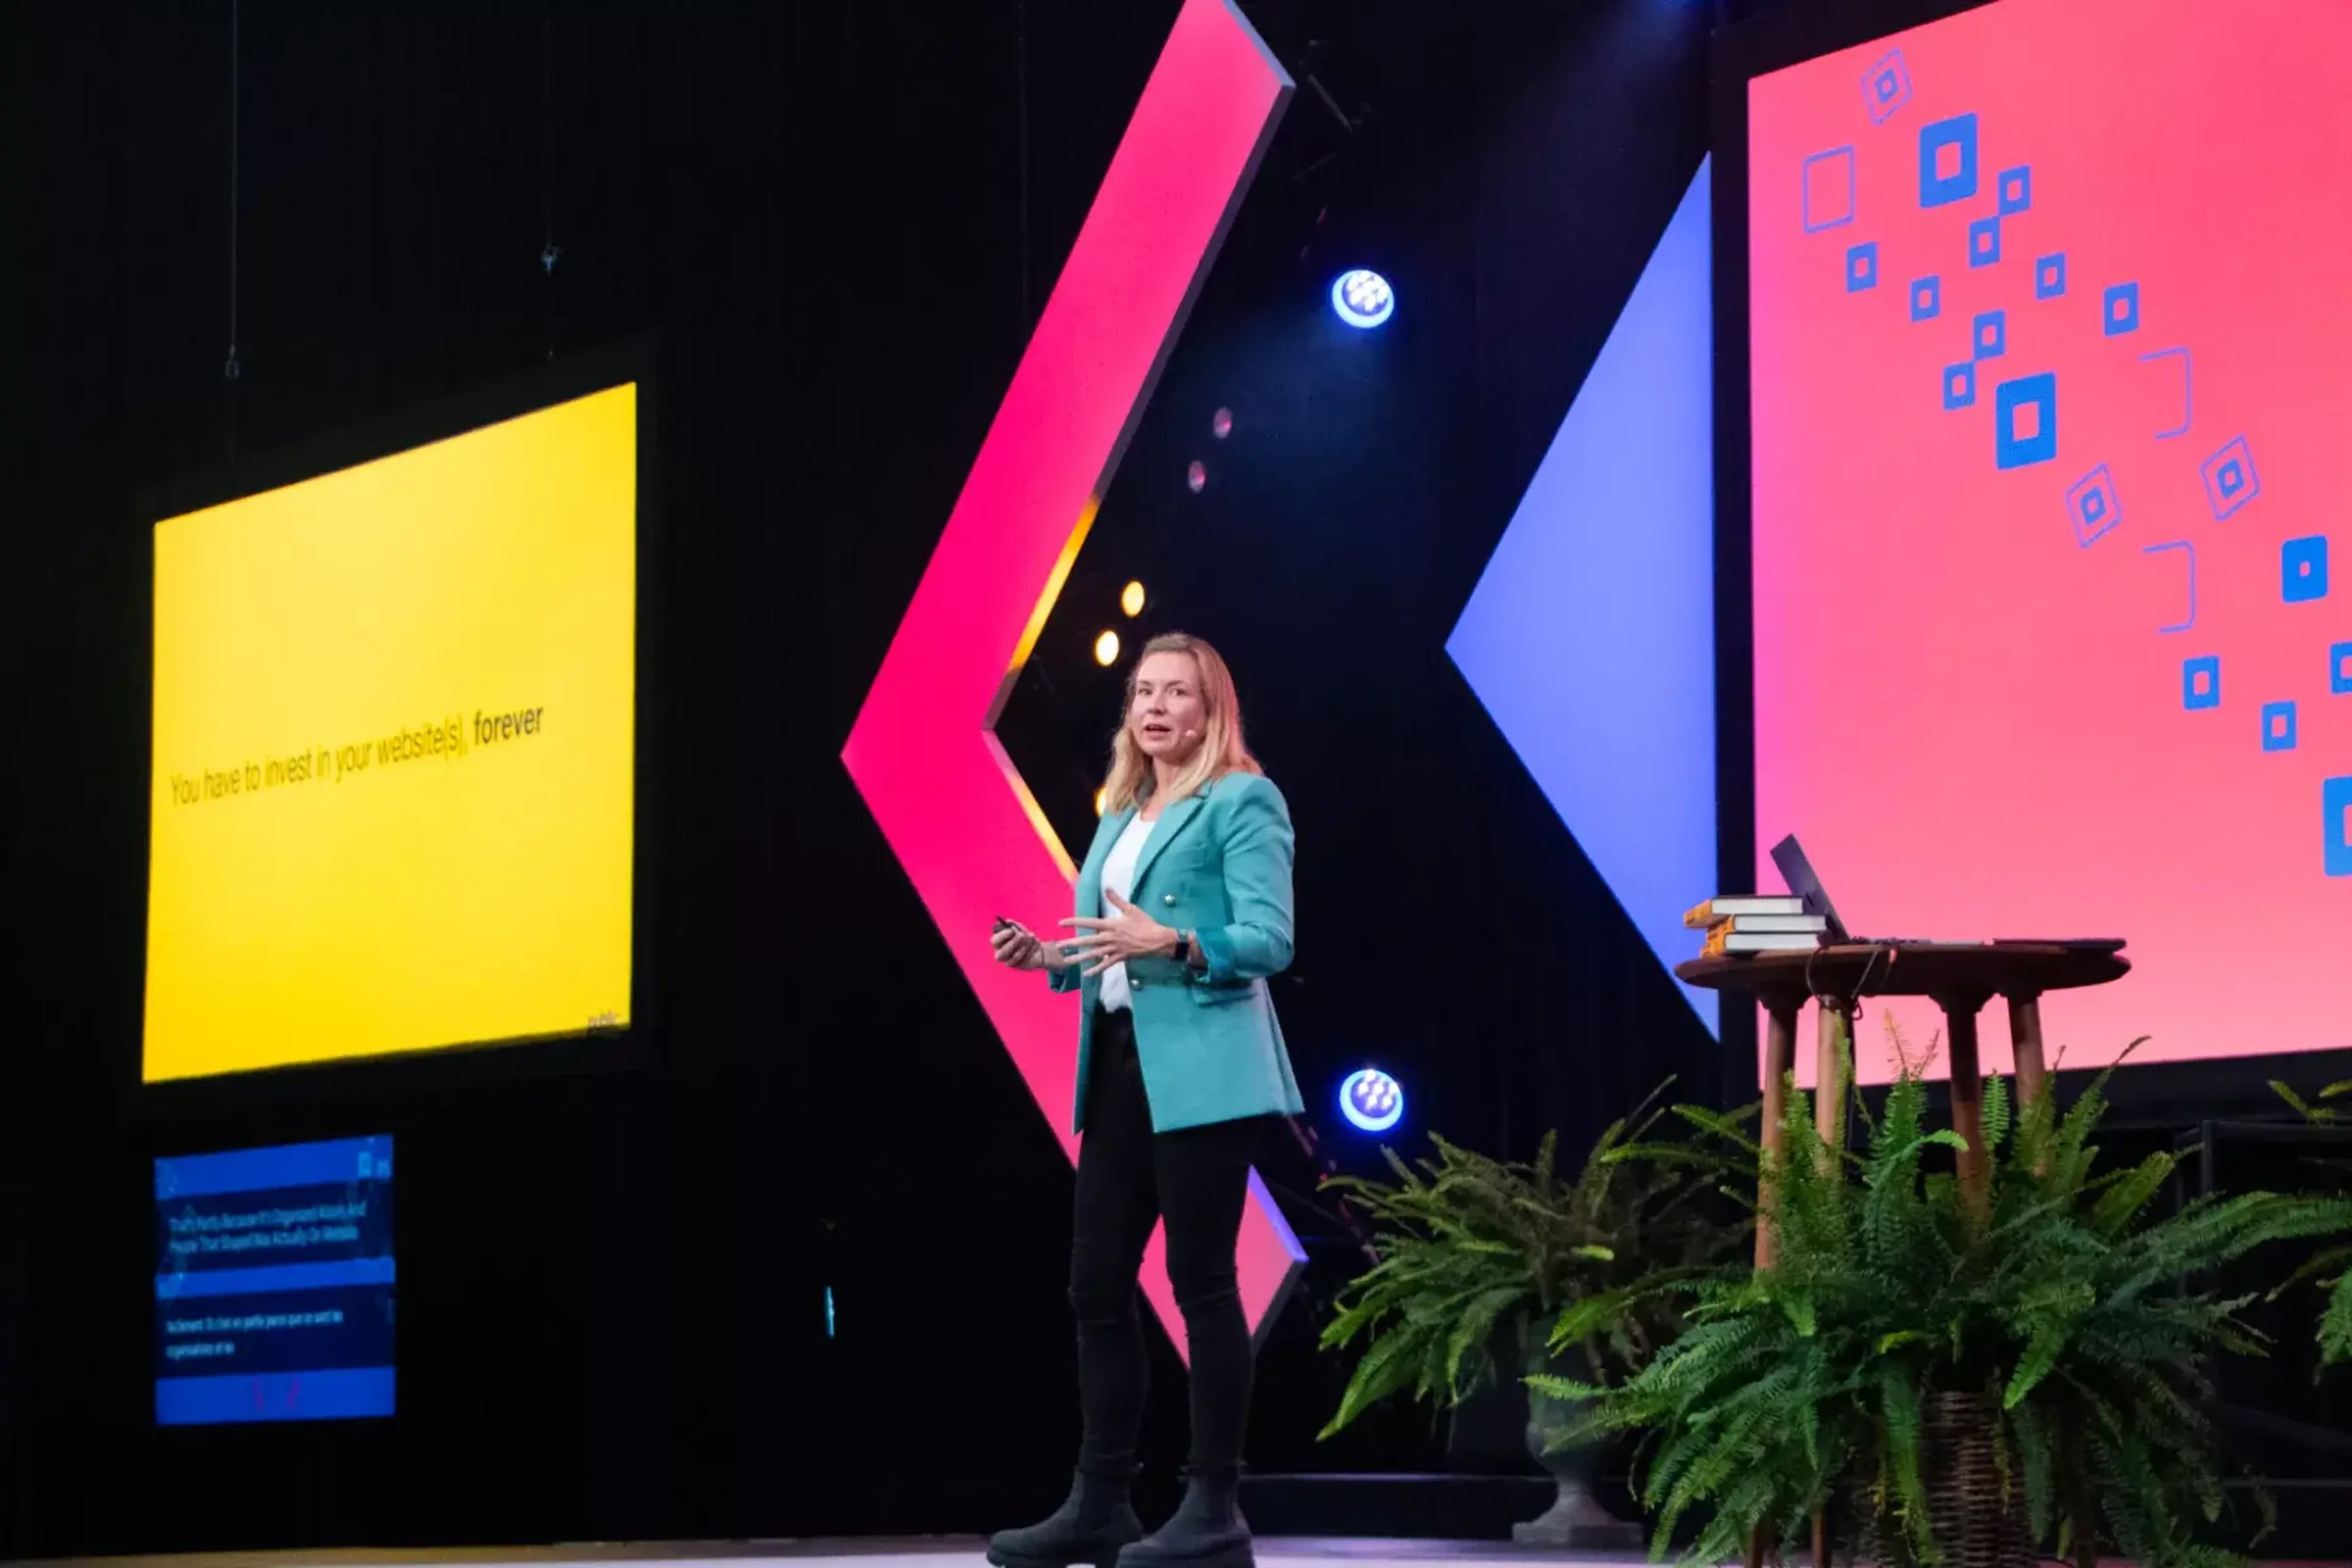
{"points": [[1118, 877]]}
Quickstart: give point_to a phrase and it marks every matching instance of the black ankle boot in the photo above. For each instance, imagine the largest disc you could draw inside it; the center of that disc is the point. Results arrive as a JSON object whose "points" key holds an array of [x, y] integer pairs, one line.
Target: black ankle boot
{"points": [[1098, 1518], [1207, 1531]]}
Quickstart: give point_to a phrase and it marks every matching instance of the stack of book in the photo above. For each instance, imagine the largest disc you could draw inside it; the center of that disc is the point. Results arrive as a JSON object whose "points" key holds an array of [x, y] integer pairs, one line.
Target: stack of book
{"points": [[1762, 923]]}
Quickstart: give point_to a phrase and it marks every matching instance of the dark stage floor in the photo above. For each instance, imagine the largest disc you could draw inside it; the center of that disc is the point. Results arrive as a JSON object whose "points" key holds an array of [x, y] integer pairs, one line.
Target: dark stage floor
{"points": [[942, 1551], [937, 1552]]}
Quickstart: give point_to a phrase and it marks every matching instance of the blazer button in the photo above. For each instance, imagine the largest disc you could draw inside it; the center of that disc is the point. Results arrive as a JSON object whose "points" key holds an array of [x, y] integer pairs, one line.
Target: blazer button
{"points": [[1168, 899]]}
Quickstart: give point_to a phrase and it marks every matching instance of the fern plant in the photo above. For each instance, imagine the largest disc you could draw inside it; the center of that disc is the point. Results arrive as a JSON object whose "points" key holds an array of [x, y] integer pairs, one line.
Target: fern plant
{"points": [[1469, 1249], [2331, 1265], [2056, 1306]]}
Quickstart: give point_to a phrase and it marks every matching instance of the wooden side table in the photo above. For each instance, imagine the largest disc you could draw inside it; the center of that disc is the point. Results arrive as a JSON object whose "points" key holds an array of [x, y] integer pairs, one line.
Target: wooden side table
{"points": [[1961, 977]]}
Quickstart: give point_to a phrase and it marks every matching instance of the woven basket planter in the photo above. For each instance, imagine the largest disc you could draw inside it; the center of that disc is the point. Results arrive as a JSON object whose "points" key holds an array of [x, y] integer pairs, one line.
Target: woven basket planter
{"points": [[1974, 1524]]}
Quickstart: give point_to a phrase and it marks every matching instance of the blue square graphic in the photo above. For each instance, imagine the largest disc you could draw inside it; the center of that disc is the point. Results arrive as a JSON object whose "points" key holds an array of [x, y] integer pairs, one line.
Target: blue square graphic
{"points": [[1887, 87], [1961, 385], [2094, 505], [2302, 569], [2339, 668], [2025, 421], [1926, 299], [1984, 242], [1988, 335], [2335, 810], [2119, 309], [1861, 267], [2050, 276], [2200, 682], [2278, 726], [2231, 478], [1827, 189], [2016, 188], [1947, 161]]}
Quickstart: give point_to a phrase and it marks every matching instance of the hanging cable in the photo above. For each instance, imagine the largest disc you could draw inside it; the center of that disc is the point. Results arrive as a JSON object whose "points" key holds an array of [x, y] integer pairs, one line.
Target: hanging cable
{"points": [[549, 252], [1021, 111], [231, 370]]}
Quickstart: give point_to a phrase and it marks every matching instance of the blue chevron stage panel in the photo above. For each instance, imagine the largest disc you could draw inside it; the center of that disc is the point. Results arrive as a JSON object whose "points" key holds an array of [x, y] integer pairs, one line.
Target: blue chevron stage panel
{"points": [[1590, 636]]}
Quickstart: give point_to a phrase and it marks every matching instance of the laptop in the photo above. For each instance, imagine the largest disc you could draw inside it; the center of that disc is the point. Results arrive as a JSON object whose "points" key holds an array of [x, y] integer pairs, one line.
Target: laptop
{"points": [[1797, 872], [1788, 858]]}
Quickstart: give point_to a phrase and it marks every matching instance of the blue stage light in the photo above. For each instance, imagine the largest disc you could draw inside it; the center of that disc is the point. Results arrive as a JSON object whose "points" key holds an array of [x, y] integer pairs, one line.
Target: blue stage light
{"points": [[1363, 298], [1372, 1100]]}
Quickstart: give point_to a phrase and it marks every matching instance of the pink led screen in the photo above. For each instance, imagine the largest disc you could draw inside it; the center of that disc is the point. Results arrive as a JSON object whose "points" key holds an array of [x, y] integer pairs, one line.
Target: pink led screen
{"points": [[2052, 377]]}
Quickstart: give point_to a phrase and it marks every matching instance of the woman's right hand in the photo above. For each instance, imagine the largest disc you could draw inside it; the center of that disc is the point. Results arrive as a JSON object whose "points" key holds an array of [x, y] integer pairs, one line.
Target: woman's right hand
{"points": [[1017, 947]]}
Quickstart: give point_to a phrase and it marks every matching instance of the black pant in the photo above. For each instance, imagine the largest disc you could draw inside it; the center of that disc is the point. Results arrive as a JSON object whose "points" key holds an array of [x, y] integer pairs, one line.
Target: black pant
{"points": [[1128, 1176]]}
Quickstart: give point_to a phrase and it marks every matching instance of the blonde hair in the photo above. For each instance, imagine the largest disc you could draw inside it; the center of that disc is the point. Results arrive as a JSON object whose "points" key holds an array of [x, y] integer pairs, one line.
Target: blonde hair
{"points": [[1222, 750]]}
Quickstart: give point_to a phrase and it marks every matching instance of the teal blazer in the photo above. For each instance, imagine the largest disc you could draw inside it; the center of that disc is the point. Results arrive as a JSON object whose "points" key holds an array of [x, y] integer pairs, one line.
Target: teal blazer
{"points": [[1217, 863]]}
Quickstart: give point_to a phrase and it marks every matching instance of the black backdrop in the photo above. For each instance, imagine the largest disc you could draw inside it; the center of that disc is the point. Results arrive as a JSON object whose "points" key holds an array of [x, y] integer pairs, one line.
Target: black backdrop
{"points": [[836, 219]]}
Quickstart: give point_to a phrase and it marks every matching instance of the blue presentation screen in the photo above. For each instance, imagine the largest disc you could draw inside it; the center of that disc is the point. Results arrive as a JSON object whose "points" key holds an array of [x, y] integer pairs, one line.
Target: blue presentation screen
{"points": [[274, 1284]]}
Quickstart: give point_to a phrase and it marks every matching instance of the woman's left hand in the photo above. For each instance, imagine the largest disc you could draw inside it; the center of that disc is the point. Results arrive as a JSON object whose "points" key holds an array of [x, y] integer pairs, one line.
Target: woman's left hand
{"points": [[1115, 938]]}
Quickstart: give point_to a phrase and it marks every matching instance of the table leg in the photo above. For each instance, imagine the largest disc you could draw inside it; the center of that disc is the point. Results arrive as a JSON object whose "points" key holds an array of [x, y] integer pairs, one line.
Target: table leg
{"points": [[1830, 1054], [2025, 1033], [1780, 1056], [1968, 1100], [2033, 1070]]}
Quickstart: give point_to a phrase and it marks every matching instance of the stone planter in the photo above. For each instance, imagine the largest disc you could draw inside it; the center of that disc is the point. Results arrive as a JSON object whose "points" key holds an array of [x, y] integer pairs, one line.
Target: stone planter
{"points": [[1576, 1517]]}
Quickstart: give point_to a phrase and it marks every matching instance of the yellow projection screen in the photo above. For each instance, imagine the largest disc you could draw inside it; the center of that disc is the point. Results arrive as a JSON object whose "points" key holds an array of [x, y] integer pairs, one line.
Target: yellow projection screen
{"points": [[394, 726]]}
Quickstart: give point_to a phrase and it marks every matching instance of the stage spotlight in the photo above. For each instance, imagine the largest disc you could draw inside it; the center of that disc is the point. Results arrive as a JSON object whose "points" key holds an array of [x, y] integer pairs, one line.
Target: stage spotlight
{"points": [[1196, 478], [1221, 424], [1130, 599], [1102, 799], [1372, 1100], [1106, 649], [1363, 298]]}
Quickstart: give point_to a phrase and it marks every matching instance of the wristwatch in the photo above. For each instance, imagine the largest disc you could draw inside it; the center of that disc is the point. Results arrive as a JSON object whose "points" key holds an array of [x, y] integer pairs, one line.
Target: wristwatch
{"points": [[1185, 941]]}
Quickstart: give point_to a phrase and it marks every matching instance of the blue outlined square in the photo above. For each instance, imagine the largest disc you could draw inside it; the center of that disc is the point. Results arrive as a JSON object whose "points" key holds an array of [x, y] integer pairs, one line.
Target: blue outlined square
{"points": [[1828, 199], [1961, 385], [2188, 550], [2025, 421], [2200, 682], [2278, 726], [1984, 242], [2336, 818], [2119, 309], [1861, 267], [2339, 668], [1947, 161], [2050, 276], [2231, 478], [1988, 335], [1926, 299], [2188, 391], [2302, 569], [1887, 87], [2016, 189], [2095, 506]]}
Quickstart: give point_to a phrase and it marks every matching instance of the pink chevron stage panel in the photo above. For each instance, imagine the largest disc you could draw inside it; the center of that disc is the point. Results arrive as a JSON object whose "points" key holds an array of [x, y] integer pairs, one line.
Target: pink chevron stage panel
{"points": [[924, 751], [2051, 376]]}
